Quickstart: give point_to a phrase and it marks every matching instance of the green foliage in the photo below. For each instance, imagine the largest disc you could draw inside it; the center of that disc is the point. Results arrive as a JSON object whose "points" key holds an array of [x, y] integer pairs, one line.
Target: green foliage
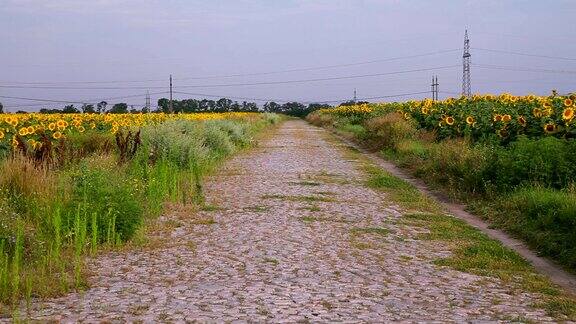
{"points": [[111, 197], [545, 218]]}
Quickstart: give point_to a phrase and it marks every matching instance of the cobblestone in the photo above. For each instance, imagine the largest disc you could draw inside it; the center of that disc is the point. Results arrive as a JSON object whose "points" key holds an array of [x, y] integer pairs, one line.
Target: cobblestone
{"points": [[268, 256]]}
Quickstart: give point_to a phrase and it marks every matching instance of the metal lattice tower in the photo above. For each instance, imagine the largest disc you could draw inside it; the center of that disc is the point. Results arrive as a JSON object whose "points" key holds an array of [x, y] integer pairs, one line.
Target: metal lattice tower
{"points": [[355, 98], [434, 87], [466, 86], [147, 101]]}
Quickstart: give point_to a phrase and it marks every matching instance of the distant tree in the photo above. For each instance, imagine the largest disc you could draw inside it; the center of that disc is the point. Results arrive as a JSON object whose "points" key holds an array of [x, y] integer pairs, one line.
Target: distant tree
{"points": [[164, 105], [272, 107], [70, 109], [189, 106], [88, 109], [21, 112], [50, 111], [119, 108], [223, 105], [101, 107], [1, 108], [353, 103], [135, 111]]}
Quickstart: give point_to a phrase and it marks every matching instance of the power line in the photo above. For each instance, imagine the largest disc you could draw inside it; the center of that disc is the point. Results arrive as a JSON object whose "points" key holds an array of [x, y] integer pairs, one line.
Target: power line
{"points": [[524, 54], [229, 97], [74, 102], [321, 67], [324, 67], [233, 84], [522, 69]]}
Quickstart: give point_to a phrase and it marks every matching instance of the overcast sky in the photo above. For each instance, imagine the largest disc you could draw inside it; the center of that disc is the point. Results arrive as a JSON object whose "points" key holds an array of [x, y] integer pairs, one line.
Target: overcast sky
{"points": [[84, 41]]}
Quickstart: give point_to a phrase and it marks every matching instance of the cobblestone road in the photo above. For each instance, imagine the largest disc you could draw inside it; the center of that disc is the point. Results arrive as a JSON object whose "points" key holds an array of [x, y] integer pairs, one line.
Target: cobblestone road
{"points": [[282, 247]]}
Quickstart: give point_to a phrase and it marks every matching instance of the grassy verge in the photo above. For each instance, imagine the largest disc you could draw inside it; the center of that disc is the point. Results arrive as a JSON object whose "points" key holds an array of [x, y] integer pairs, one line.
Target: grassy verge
{"points": [[472, 251], [525, 187], [53, 215]]}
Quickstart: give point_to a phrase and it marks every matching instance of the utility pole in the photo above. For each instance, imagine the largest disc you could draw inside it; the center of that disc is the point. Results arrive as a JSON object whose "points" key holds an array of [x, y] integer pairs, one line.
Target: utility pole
{"points": [[148, 101], [466, 86], [170, 105], [355, 98], [434, 86]]}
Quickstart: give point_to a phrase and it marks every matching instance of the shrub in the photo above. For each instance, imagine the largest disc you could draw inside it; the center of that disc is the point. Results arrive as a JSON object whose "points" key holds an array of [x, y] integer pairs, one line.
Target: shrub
{"points": [[388, 130]]}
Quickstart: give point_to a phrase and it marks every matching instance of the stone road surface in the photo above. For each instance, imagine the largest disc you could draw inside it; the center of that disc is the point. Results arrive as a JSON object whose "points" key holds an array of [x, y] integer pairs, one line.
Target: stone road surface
{"points": [[282, 248]]}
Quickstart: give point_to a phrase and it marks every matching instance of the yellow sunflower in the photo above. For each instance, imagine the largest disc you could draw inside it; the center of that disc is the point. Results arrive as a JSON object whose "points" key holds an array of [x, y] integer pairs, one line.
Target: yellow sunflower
{"points": [[1, 135], [23, 131], [506, 118], [470, 120], [537, 112], [568, 114], [550, 128], [568, 102], [522, 121], [52, 126], [57, 135], [497, 117], [449, 120]]}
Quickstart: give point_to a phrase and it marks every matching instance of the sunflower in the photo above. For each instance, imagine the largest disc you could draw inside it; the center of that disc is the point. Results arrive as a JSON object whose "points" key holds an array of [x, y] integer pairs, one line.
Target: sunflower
{"points": [[550, 128], [52, 126], [23, 131], [470, 120], [81, 129], [62, 124], [1, 134], [568, 114], [497, 117], [537, 112], [502, 133], [546, 104], [449, 120], [425, 110], [31, 130], [568, 102], [522, 121], [57, 135], [506, 118]]}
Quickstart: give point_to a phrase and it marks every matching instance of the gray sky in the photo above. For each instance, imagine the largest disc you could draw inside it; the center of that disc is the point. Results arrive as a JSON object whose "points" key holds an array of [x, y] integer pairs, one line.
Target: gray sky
{"points": [[57, 41]]}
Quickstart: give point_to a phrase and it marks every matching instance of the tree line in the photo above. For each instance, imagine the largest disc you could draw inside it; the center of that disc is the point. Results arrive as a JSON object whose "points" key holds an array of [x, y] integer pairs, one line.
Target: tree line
{"points": [[294, 108]]}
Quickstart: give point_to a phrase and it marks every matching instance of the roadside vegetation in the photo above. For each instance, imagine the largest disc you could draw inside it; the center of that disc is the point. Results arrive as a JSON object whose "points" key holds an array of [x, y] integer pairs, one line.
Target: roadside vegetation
{"points": [[511, 159], [90, 189]]}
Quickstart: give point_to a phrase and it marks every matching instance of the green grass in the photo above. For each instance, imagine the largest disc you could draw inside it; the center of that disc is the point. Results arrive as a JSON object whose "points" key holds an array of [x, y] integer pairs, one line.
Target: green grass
{"points": [[306, 183], [370, 230], [399, 191], [57, 216], [475, 252], [299, 198]]}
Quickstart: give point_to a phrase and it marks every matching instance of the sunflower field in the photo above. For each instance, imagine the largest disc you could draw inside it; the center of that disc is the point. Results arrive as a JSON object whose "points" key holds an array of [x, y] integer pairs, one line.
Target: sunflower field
{"points": [[512, 159], [481, 117], [73, 184], [34, 129]]}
